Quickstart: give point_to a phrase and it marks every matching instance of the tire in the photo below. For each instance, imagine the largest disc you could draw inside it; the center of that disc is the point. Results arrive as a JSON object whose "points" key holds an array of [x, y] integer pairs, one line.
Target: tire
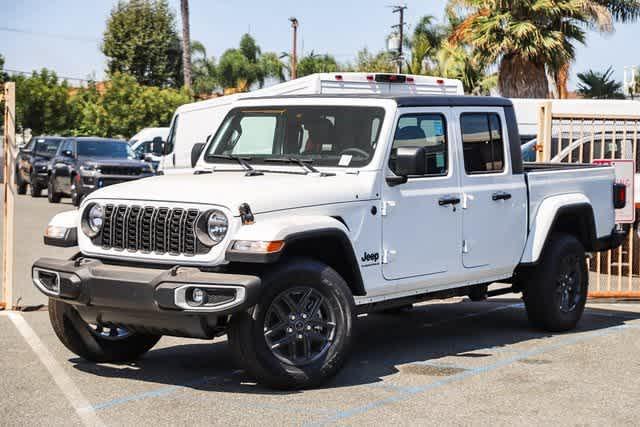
{"points": [[36, 190], [84, 341], [328, 306], [51, 193], [478, 293], [76, 198], [555, 291], [21, 186]]}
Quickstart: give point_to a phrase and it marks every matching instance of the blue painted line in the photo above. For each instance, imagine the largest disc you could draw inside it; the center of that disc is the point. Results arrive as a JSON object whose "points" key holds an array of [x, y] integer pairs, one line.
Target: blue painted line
{"points": [[154, 393], [408, 392]]}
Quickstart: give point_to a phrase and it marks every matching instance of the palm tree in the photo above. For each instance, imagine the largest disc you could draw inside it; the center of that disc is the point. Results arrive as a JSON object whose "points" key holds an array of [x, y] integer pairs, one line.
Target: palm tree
{"points": [[186, 43], [599, 14], [522, 37], [596, 85], [424, 43], [204, 72]]}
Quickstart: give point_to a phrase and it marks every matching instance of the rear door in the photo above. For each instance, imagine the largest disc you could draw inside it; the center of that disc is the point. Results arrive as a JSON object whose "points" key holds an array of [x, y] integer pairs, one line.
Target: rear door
{"points": [[421, 228], [494, 218]]}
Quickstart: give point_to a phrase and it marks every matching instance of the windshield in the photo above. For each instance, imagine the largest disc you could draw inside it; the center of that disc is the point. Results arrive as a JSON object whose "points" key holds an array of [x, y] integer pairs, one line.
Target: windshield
{"points": [[112, 149], [326, 136], [47, 147]]}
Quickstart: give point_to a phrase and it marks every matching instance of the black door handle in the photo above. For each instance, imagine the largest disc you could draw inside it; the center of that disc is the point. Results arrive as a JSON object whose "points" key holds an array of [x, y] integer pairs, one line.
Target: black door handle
{"points": [[500, 196], [449, 200]]}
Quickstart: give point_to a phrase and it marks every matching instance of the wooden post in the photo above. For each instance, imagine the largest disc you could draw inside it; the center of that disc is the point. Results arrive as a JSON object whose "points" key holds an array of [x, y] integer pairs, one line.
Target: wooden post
{"points": [[543, 145], [9, 144]]}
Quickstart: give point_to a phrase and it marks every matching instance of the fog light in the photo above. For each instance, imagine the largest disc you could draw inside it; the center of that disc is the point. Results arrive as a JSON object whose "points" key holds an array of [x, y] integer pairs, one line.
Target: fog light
{"points": [[198, 296]]}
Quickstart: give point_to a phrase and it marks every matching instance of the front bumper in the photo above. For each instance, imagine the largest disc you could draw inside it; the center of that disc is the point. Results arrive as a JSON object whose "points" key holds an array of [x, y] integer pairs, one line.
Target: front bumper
{"points": [[152, 299]]}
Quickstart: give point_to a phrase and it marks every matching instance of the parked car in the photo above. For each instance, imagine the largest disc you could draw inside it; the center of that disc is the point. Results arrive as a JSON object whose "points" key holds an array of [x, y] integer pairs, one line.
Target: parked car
{"points": [[84, 164], [32, 164], [311, 210]]}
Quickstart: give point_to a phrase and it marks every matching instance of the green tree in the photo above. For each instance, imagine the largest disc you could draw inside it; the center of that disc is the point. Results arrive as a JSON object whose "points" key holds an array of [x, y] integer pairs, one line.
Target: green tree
{"points": [[3, 75], [124, 107], [423, 45], [141, 39], [596, 85], [242, 67], [203, 70], [316, 63], [42, 103], [367, 62]]}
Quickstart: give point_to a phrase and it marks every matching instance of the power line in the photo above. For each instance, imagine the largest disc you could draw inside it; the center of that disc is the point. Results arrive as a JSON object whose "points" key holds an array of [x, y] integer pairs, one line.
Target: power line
{"points": [[84, 39], [29, 73]]}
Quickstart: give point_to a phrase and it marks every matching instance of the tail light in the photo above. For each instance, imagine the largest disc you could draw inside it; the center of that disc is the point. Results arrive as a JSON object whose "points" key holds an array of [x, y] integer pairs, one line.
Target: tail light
{"points": [[619, 195]]}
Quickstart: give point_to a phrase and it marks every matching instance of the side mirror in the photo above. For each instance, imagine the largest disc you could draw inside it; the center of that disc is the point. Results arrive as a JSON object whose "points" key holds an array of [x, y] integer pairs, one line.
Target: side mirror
{"points": [[156, 146], [196, 150], [410, 161]]}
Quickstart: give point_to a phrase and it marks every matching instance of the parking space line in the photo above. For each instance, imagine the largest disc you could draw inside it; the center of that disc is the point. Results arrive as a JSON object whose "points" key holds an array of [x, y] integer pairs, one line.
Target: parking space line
{"points": [[406, 393], [80, 404]]}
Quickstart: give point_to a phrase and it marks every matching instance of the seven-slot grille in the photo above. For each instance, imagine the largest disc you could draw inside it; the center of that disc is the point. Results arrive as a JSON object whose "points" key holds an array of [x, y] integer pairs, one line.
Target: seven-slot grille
{"points": [[150, 229]]}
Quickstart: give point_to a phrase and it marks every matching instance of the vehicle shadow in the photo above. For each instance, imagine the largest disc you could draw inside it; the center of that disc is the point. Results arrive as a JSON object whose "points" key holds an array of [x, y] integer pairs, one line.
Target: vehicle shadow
{"points": [[383, 344]]}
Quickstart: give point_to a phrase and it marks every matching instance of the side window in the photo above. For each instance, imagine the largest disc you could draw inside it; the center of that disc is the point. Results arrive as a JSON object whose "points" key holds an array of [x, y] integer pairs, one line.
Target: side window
{"points": [[423, 130], [482, 143]]}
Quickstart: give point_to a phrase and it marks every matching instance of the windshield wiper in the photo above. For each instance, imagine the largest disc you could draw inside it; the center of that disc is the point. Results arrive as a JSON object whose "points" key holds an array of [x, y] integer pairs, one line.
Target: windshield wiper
{"points": [[242, 161], [304, 163]]}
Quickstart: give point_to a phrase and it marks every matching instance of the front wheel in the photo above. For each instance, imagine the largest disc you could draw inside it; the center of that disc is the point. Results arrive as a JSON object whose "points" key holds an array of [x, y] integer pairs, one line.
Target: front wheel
{"points": [[97, 342], [555, 291], [36, 190], [51, 192], [300, 332], [21, 186]]}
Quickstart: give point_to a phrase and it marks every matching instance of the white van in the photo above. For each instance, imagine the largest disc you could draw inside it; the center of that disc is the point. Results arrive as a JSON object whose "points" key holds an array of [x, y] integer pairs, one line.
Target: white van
{"points": [[194, 123]]}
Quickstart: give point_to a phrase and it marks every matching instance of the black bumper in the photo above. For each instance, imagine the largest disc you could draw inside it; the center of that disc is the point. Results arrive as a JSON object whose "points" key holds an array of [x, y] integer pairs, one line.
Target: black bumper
{"points": [[146, 298], [612, 241]]}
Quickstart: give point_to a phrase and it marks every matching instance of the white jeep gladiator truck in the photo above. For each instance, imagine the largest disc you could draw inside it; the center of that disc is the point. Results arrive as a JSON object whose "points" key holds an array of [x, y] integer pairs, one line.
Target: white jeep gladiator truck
{"points": [[313, 209]]}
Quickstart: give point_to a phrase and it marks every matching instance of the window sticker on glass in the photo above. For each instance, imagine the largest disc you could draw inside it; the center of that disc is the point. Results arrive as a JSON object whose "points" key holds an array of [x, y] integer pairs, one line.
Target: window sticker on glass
{"points": [[345, 160], [437, 125]]}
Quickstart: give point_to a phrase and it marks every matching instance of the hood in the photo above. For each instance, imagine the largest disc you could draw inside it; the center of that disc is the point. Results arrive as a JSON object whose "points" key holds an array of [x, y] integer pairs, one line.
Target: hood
{"points": [[41, 158], [107, 161], [264, 193]]}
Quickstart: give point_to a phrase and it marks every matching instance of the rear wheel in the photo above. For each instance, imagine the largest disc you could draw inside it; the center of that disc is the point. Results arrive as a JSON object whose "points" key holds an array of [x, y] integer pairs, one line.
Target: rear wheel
{"points": [[96, 342], [299, 334], [51, 191], [555, 291]]}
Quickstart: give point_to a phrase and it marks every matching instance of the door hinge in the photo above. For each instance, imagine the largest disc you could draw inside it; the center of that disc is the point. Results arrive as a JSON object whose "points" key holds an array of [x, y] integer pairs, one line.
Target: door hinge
{"points": [[465, 247], [385, 207], [388, 255]]}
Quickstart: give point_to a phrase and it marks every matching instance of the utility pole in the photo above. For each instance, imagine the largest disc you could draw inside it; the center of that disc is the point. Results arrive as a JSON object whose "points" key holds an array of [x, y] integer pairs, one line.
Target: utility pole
{"points": [[294, 49], [400, 28]]}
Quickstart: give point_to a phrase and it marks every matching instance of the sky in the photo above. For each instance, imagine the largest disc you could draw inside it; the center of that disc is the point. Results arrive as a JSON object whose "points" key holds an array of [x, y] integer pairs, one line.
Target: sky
{"points": [[65, 35]]}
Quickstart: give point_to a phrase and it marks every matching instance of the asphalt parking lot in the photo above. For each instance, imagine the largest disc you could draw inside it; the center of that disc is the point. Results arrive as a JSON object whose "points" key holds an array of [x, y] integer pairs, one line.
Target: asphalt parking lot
{"points": [[444, 362]]}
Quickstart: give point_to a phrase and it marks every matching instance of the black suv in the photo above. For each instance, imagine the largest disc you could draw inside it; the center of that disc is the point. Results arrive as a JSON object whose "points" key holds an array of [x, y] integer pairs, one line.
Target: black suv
{"points": [[32, 163], [84, 164]]}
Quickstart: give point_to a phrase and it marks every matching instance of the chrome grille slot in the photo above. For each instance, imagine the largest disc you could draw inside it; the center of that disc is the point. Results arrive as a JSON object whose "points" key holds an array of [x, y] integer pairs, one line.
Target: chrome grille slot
{"points": [[150, 229]]}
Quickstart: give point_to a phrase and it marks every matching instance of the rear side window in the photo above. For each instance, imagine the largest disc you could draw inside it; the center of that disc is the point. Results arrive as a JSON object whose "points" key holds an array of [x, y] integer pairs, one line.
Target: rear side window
{"points": [[482, 143], [423, 130]]}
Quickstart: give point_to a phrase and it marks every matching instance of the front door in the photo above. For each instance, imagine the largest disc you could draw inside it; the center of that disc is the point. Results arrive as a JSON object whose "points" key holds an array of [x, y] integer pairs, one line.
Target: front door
{"points": [[494, 218], [422, 218]]}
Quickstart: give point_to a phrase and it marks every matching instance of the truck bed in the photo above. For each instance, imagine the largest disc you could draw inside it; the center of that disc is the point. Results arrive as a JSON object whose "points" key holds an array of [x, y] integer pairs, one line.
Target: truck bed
{"points": [[573, 179]]}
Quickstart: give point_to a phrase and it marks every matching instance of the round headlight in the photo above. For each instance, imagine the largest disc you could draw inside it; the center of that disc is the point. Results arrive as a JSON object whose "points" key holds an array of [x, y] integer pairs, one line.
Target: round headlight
{"points": [[217, 226], [96, 217], [92, 219]]}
